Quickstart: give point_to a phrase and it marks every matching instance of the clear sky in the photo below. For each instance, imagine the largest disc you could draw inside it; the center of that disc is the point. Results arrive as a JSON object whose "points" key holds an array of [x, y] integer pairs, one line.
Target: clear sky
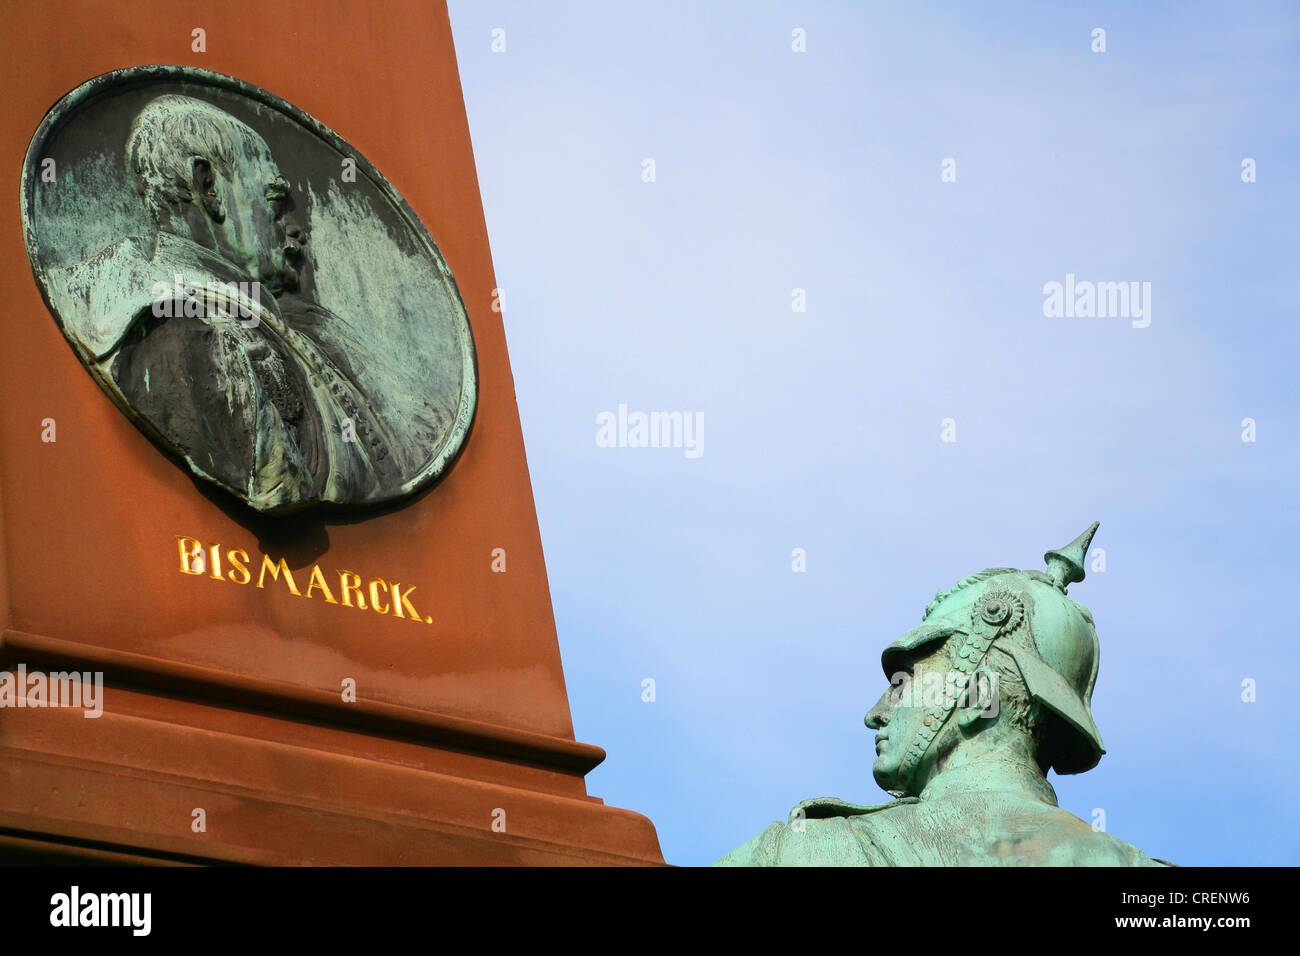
{"points": [[777, 170]]}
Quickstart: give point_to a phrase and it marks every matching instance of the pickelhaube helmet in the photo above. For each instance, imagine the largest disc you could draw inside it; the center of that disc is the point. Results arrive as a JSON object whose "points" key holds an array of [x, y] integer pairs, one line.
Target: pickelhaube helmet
{"points": [[1050, 637]]}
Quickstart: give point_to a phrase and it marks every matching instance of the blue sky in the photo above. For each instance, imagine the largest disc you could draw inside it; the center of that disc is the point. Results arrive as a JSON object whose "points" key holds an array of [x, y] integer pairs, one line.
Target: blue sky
{"points": [[777, 170]]}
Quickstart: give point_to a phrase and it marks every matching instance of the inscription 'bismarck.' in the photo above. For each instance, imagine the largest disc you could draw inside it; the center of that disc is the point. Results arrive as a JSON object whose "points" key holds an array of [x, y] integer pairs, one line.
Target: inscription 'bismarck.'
{"points": [[234, 565]]}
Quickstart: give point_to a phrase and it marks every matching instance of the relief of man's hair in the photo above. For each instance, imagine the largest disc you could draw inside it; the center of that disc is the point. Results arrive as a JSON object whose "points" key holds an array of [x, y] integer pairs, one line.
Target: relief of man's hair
{"points": [[168, 135]]}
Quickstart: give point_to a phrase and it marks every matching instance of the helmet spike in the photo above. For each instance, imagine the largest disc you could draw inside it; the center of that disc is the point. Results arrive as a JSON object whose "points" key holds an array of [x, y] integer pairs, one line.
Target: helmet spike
{"points": [[1065, 565]]}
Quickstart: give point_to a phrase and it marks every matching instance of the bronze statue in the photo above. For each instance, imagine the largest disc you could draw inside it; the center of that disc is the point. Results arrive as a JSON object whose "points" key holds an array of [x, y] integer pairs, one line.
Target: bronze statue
{"points": [[992, 690]]}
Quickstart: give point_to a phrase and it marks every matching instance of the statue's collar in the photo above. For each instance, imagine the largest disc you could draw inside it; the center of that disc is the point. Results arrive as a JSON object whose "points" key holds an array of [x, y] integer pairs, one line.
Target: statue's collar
{"points": [[100, 296]]}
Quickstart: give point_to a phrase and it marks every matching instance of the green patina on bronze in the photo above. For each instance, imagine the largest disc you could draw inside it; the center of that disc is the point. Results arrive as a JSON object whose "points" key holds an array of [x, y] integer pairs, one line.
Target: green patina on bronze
{"points": [[969, 771], [249, 289]]}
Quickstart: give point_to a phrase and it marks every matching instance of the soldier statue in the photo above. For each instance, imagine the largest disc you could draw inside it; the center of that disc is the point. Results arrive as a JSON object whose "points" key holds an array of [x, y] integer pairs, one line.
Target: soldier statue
{"points": [[992, 690]]}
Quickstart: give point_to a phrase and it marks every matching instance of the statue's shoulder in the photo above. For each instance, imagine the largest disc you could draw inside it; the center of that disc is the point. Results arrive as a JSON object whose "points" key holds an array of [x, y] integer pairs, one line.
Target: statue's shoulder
{"points": [[826, 831], [1021, 831], [1075, 842], [824, 808]]}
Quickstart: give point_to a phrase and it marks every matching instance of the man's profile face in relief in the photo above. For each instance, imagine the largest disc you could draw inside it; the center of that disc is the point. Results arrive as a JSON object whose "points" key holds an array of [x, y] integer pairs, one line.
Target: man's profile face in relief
{"points": [[210, 178]]}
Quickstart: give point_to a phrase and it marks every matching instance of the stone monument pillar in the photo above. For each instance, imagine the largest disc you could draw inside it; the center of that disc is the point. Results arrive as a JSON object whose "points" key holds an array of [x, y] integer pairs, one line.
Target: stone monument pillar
{"points": [[271, 583]]}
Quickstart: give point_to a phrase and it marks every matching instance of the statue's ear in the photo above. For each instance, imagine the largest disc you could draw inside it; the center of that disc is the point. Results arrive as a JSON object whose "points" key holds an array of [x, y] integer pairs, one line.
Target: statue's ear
{"points": [[207, 191], [981, 701], [968, 716]]}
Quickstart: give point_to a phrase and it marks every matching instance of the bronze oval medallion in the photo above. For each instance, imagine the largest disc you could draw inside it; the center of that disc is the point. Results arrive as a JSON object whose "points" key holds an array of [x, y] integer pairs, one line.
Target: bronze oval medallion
{"points": [[248, 289]]}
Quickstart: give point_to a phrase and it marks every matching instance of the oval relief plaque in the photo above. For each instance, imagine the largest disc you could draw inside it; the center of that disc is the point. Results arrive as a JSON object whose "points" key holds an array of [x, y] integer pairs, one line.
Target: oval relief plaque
{"points": [[248, 289]]}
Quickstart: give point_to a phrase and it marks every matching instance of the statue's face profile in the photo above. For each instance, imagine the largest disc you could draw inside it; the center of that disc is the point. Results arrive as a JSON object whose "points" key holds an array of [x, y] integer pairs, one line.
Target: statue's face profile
{"points": [[243, 206], [897, 716]]}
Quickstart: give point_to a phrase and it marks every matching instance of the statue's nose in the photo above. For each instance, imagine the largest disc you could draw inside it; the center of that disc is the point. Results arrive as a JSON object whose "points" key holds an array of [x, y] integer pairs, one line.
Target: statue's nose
{"points": [[878, 716]]}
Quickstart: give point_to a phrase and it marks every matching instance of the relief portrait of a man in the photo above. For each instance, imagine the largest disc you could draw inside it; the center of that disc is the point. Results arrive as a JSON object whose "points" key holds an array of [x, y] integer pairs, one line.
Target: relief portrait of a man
{"points": [[207, 329]]}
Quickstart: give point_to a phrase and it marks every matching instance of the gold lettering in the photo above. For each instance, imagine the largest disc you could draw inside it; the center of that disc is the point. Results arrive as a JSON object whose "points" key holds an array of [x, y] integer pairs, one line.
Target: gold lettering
{"points": [[188, 554], [400, 600], [318, 581], [385, 597], [237, 565], [275, 570], [374, 597], [346, 588]]}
